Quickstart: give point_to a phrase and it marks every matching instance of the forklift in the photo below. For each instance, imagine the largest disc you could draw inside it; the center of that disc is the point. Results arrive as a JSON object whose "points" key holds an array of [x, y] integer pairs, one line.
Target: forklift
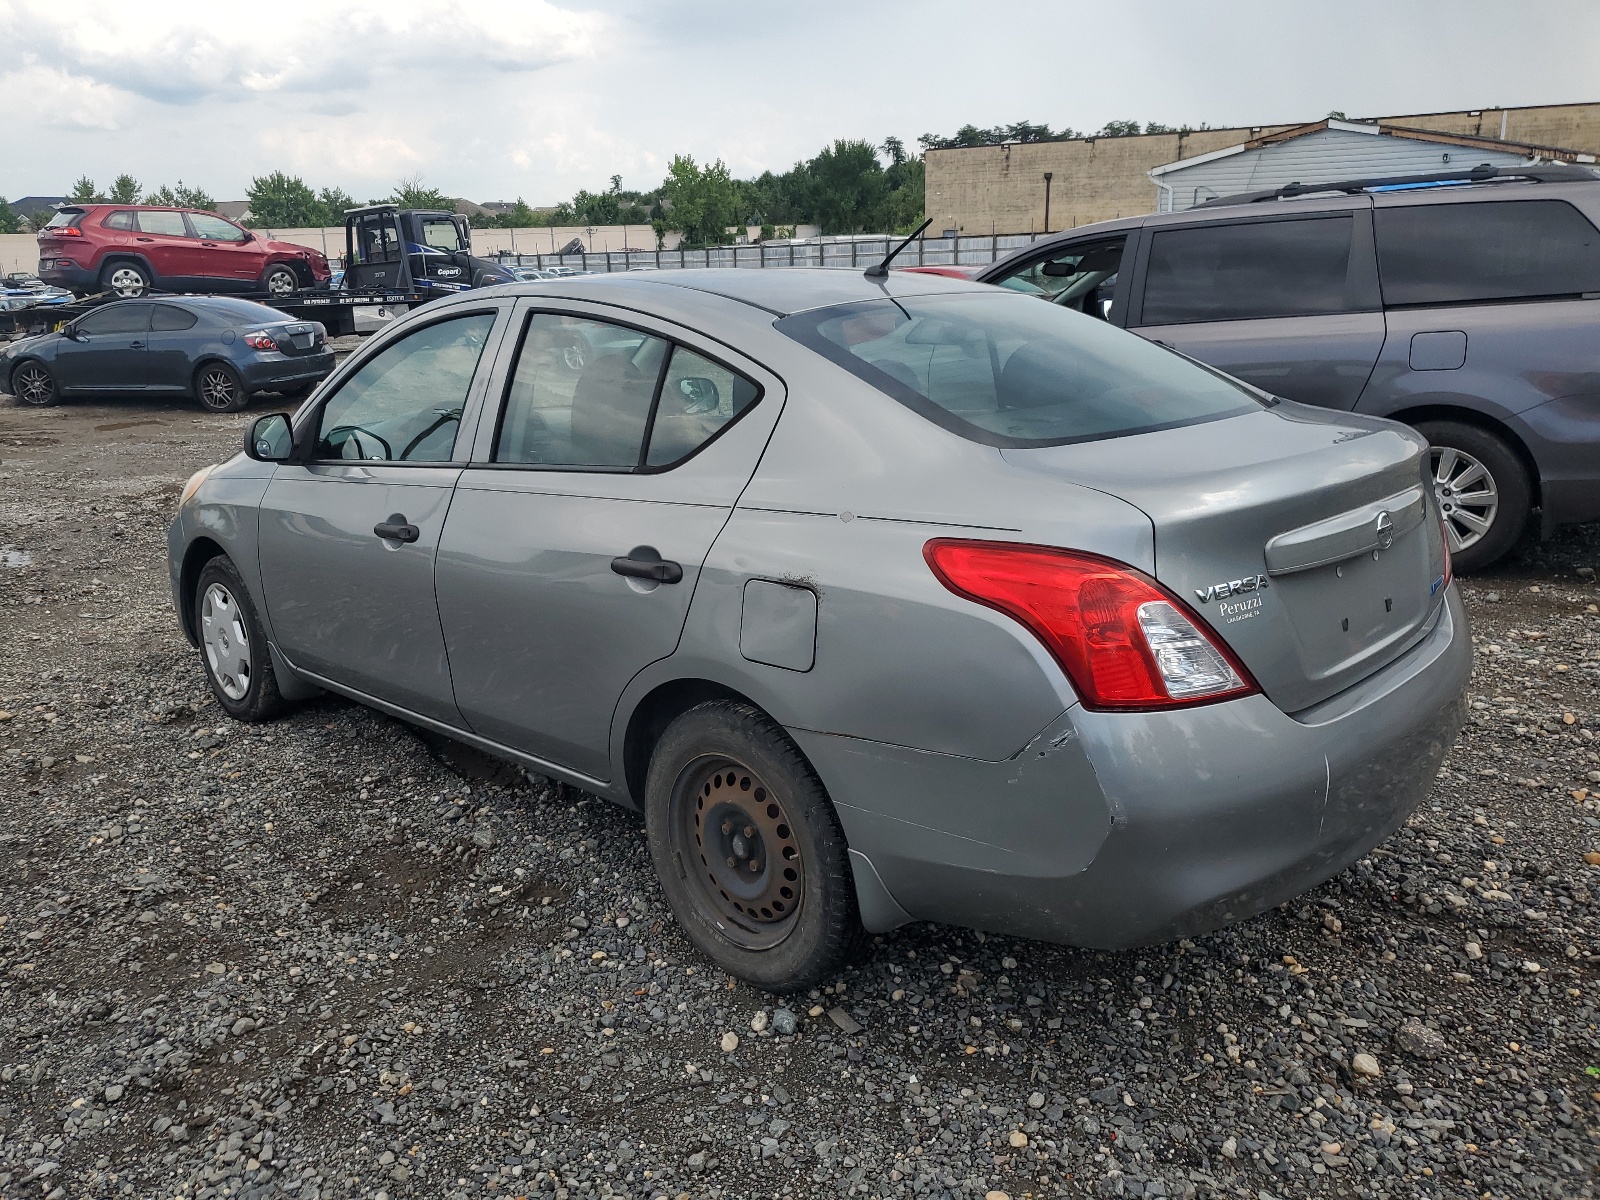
{"points": [[388, 248]]}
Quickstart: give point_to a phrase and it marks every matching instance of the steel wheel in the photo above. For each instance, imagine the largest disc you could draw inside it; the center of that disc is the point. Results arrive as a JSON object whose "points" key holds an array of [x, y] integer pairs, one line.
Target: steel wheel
{"points": [[128, 281], [219, 389], [750, 869], [281, 281], [33, 385], [227, 645], [1467, 494]]}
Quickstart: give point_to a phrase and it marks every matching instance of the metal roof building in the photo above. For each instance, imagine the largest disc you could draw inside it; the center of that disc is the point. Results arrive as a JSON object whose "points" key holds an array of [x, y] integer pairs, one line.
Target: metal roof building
{"points": [[1332, 150]]}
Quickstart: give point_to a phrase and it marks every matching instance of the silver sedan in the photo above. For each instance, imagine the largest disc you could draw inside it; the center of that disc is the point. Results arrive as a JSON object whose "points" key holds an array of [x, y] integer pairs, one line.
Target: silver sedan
{"points": [[884, 599]]}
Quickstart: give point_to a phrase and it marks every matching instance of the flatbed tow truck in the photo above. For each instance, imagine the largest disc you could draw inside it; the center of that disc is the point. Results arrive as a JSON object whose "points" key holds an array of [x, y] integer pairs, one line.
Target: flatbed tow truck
{"points": [[395, 258]]}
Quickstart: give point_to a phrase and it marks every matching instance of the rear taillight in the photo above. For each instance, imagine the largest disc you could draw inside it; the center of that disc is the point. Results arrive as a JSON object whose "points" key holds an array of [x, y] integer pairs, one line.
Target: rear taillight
{"points": [[61, 231], [260, 341], [1124, 640]]}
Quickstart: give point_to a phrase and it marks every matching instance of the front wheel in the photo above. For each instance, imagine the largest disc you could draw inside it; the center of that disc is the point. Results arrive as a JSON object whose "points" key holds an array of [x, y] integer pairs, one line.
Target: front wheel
{"points": [[749, 850], [280, 280], [33, 384], [233, 645], [219, 388], [1483, 490]]}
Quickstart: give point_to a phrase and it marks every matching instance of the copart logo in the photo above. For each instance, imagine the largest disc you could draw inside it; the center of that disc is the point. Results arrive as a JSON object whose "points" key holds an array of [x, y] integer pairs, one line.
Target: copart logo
{"points": [[448, 272], [1220, 591]]}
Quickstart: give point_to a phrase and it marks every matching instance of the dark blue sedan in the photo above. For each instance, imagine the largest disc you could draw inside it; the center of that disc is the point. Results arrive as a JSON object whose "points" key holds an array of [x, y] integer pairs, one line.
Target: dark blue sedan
{"points": [[216, 348]]}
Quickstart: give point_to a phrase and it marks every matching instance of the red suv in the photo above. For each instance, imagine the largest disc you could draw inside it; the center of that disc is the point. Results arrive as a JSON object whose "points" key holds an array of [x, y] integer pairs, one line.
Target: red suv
{"points": [[131, 249]]}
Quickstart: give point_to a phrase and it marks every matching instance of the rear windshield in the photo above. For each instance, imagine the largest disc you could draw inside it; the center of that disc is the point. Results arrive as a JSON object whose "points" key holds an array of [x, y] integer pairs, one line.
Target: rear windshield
{"points": [[64, 216], [1006, 370]]}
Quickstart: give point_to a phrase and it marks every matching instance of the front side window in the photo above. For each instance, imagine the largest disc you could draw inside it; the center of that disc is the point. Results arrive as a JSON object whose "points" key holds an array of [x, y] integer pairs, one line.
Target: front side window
{"points": [[1496, 250], [163, 223], [116, 318], [215, 229], [1260, 269], [440, 233], [404, 404], [1081, 277], [1006, 371]]}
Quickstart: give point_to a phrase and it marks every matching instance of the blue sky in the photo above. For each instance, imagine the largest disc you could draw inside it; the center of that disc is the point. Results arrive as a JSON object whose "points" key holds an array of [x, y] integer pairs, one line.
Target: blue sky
{"points": [[537, 99]]}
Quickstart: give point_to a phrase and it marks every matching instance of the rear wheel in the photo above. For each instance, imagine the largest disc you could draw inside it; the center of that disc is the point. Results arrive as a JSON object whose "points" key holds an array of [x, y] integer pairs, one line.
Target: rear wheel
{"points": [[219, 388], [280, 280], [33, 384], [1482, 488], [749, 850], [233, 645], [126, 279]]}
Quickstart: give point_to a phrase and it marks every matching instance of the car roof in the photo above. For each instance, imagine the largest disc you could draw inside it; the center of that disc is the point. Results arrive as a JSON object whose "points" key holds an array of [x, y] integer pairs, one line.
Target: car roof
{"points": [[778, 290]]}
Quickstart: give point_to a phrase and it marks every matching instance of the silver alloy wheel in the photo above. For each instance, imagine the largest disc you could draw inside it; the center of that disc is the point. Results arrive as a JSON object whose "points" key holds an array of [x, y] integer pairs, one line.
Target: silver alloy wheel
{"points": [[33, 385], [127, 282], [1467, 494], [281, 282], [217, 390], [226, 644]]}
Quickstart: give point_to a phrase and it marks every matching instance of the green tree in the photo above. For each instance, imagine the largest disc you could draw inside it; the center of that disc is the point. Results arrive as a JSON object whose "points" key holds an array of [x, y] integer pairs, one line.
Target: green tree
{"points": [[179, 195], [847, 188], [1119, 129], [333, 203], [125, 189], [281, 201], [410, 193], [84, 192], [699, 202], [9, 221]]}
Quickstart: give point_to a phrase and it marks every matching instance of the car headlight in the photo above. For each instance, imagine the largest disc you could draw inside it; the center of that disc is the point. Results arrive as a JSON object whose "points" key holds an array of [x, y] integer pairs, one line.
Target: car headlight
{"points": [[193, 486]]}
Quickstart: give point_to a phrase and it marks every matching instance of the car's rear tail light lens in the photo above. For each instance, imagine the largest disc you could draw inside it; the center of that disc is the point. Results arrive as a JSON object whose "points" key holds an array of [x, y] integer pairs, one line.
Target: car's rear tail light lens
{"points": [[66, 231], [260, 341], [1124, 640]]}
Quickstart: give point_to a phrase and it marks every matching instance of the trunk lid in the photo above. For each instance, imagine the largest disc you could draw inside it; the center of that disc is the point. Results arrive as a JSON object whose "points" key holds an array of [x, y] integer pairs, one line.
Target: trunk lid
{"points": [[300, 338], [1306, 539]]}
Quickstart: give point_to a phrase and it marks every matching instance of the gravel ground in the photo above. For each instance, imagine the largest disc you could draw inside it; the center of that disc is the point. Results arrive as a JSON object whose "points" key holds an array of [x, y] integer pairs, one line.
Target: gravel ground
{"points": [[326, 958]]}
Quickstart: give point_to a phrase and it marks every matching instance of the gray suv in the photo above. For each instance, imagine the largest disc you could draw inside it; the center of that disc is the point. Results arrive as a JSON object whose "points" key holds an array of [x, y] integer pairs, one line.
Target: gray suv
{"points": [[1466, 305]]}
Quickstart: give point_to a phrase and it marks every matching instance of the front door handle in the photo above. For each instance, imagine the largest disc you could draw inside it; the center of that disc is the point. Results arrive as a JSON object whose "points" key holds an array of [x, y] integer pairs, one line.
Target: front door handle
{"points": [[135, 345], [644, 562], [397, 529], [144, 239]]}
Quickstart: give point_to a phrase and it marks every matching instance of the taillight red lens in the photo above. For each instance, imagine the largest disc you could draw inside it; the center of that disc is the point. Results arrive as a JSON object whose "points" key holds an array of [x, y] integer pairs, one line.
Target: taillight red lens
{"points": [[67, 231], [260, 341], [1124, 640]]}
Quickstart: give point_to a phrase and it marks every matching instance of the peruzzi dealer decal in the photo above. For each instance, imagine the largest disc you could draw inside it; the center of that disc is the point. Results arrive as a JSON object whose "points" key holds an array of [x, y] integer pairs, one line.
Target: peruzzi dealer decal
{"points": [[1232, 610]]}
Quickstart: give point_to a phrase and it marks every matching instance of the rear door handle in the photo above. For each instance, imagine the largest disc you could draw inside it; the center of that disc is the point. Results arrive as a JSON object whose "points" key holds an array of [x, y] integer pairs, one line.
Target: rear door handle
{"points": [[645, 562], [144, 239], [135, 345], [396, 529]]}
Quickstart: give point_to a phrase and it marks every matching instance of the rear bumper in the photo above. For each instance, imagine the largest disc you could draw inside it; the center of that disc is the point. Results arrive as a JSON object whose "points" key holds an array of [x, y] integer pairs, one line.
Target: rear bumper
{"points": [[1113, 830], [73, 277], [283, 371]]}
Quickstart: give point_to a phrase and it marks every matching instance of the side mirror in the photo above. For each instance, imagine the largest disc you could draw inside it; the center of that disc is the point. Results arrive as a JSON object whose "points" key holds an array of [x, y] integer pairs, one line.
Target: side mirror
{"points": [[270, 439], [248, 236], [699, 395]]}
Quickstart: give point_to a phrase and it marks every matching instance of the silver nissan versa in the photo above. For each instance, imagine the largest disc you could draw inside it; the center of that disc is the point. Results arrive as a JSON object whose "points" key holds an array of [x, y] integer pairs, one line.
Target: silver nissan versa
{"points": [[884, 599]]}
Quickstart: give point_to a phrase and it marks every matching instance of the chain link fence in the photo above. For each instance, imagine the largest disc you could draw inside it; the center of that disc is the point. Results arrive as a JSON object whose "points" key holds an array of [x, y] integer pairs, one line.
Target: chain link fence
{"points": [[857, 253]]}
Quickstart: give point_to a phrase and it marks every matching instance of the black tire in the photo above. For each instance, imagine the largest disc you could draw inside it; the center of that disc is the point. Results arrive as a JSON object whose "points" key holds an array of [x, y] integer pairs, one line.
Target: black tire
{"points": [[1498, 500], [280, 279], [707, 777], [126, 278], [233, 645], [33, 384], [219, 389]]}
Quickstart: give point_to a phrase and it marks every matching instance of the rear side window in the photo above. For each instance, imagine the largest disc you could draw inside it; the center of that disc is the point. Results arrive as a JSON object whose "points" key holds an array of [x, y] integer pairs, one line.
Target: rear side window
{"points": [[116, 318], [119, 220], [1008, 371], [1260, 269], [166, 224], [1498, 250], [169, 318], [596, 396]]}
